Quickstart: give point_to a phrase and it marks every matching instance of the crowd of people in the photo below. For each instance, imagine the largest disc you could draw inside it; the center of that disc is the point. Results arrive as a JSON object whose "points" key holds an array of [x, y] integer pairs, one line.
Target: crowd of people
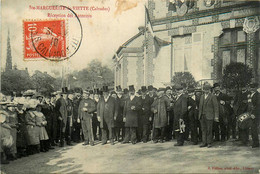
{"points": [[33, 123]]}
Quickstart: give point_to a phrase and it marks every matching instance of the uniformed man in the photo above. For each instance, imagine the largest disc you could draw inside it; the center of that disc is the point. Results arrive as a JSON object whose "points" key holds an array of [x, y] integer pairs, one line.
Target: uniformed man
{"points": [[86, 108], [106, 114]]}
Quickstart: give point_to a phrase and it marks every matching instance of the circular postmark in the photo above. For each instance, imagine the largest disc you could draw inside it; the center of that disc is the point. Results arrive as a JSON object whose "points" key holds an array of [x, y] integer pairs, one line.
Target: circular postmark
{"points": [[56, 39]]}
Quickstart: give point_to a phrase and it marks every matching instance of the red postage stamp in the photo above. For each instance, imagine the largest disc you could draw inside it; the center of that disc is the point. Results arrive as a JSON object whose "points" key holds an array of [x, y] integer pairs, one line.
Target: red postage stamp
{"points": [[44, 39]]}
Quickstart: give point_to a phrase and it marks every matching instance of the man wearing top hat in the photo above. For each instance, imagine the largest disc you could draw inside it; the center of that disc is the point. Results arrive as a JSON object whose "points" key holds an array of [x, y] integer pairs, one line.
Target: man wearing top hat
{"points": [[76, 121], [254, 109], [208, 112], [119, 124], [107, 113], [180, 109], [61, 110], [87, 107], [192, 116], [145, 115], [130, 116], [70, 112]]}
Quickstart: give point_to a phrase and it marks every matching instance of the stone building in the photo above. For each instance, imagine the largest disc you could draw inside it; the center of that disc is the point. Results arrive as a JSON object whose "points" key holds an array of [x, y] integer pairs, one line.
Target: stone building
{"points": [[205, 36]]}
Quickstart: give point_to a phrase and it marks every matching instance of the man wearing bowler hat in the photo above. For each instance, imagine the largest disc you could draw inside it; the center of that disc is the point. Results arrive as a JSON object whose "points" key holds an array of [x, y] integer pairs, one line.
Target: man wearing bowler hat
{"points": [[87, 107], [106, 114], [208, 112], [130, 115], [61, 110]]}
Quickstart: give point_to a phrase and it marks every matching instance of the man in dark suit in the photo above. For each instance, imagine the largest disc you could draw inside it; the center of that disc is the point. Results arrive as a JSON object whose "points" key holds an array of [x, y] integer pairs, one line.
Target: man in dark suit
{"points": [[145, 113], [208, 111], [169, 127], [130, 115], [240, 107], [220, 128], [180, 110], [106, 114], [192, 116], [254, 109], [61, 108], [119, 124]]}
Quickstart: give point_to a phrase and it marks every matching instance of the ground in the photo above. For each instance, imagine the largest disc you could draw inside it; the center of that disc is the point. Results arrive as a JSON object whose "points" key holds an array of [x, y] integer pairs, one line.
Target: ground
{"points": [[225, 157]]}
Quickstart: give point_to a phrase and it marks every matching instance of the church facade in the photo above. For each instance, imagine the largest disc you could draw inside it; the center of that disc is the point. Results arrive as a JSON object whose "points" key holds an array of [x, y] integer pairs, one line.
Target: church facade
{"points": [[204, 36]]}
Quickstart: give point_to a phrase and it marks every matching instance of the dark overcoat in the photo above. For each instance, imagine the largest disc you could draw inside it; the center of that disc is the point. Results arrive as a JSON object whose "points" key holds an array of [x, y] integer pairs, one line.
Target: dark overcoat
{"points": [[130, 115], [107, 110]]}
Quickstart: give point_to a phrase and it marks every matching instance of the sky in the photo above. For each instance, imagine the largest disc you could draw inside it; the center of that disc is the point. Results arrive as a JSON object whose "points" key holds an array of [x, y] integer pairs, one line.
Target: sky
{"points": [[103, 33]]}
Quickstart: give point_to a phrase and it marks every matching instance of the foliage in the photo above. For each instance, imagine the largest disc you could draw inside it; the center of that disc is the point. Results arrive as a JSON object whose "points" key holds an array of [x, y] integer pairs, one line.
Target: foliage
{"points": [[94, 76], [15, 80], [183, 77], [236, 75]]}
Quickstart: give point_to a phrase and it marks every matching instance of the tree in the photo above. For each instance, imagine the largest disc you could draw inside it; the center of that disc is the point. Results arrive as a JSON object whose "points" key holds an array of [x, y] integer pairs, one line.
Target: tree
{"points": [[15, 81], [94, 76], [183, 77], [43, 82], [236, 75]]}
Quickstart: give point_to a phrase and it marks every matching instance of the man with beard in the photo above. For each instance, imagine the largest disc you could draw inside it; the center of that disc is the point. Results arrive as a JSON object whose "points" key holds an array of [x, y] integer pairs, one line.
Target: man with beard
{"points": [[87, 107], [130, 115], [180, 109], [106, 114], [208, 112], [119, 124]]}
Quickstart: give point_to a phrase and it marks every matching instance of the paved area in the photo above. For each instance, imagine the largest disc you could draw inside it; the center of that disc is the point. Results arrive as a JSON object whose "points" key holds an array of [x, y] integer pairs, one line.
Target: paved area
{"points": [[225, 157]]}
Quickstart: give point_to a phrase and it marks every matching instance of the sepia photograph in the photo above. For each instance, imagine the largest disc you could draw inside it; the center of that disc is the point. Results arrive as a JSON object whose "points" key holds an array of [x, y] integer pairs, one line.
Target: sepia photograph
{"points": [[129, 86]]}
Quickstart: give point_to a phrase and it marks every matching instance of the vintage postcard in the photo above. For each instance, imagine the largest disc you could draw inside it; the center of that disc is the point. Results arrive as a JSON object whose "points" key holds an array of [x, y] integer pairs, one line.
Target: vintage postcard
{"points": [[130, 86]]}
